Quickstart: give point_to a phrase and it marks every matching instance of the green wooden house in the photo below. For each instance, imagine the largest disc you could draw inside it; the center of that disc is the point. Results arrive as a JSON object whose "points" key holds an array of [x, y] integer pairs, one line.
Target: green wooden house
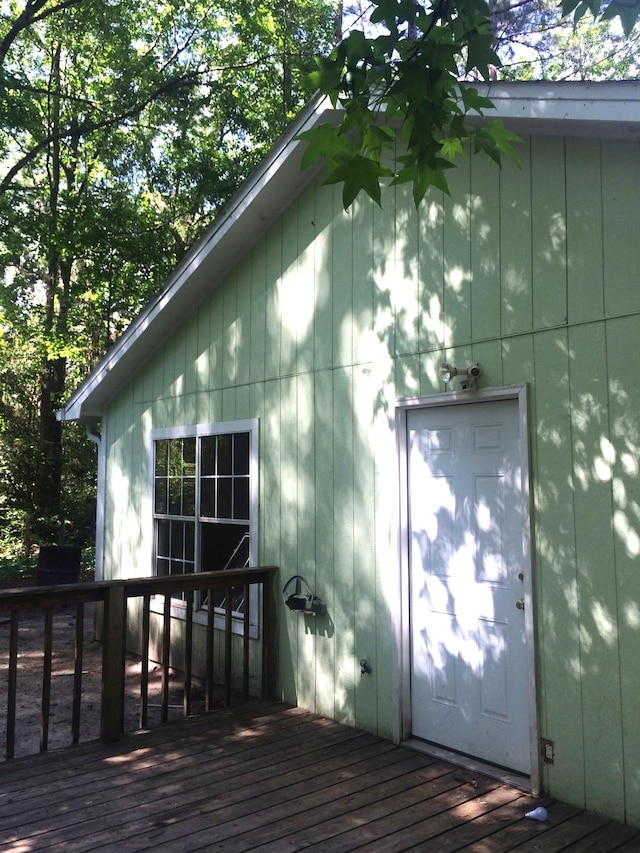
{"points": [[476, 542]]}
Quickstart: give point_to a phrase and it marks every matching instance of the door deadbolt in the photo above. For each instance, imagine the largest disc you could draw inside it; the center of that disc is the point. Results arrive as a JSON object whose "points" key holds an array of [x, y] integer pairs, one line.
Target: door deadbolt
{"points": [[520, 604]]}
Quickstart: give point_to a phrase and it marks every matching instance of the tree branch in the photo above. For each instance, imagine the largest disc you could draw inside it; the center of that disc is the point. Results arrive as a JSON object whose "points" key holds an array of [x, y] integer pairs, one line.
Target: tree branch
{"points": [[88, 128], [33, 11]]}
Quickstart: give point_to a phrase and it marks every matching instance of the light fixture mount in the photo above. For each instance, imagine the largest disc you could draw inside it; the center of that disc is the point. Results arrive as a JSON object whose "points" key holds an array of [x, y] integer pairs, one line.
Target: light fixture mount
{"points": [[469, 375]]}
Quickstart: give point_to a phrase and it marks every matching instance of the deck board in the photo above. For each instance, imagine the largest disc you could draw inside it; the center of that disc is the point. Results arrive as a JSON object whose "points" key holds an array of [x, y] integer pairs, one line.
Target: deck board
{"points": [[273, 778]]}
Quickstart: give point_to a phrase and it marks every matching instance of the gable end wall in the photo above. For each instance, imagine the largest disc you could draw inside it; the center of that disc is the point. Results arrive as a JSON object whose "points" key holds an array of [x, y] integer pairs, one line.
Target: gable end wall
{"points": [[329, 320]]}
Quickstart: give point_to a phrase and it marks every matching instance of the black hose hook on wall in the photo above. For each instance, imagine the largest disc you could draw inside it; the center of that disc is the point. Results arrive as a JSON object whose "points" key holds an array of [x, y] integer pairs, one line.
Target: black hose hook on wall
{"points": [[306, 603]]}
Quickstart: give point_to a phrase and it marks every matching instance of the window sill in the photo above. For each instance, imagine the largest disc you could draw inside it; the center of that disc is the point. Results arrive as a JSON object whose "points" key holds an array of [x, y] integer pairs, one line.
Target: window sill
{"points": [[179, 611]]}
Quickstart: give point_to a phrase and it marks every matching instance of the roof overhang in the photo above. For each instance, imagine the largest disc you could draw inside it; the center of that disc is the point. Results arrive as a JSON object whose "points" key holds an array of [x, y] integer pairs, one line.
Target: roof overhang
{"points": [[606, 110]]}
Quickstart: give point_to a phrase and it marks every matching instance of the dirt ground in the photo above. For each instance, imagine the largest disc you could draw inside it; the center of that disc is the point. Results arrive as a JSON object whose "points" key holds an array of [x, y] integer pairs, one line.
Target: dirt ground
{"points": [[29, 683]]}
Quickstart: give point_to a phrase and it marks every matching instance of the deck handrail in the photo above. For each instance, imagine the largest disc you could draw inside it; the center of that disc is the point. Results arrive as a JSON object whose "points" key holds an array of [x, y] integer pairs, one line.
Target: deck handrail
{"points": [[115, 595]]}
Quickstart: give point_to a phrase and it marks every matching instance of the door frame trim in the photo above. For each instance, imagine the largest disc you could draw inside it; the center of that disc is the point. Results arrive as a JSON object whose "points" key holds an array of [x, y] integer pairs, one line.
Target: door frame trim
{"points": [[402, 641]]}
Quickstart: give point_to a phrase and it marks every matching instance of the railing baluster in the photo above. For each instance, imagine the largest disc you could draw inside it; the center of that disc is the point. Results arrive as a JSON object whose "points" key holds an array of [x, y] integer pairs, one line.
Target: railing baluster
{"points": [[269, 639], [77, 675], [188, 654], [209, 653], [245, 643], [228, 623], [144, 668], [166, 652], [12, 685], [113, 660], [46, 679]]}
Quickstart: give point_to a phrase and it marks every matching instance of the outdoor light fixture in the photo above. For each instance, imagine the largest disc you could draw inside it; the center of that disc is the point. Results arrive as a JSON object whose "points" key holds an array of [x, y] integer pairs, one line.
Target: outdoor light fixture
{"points": [[469, 375], [306, 602]]}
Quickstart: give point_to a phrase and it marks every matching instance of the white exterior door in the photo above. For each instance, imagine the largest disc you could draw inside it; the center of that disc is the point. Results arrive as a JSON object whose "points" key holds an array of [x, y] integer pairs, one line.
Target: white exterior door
{"points": [[469, 663]]}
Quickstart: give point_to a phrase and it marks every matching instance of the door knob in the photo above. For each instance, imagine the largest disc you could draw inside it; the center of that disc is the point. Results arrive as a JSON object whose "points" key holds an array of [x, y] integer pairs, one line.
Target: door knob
{"points": [[520, 604]]}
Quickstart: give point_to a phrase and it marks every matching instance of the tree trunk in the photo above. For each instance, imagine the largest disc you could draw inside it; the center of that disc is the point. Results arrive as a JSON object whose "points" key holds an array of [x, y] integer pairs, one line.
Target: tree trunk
{"points": [[53, 369]]}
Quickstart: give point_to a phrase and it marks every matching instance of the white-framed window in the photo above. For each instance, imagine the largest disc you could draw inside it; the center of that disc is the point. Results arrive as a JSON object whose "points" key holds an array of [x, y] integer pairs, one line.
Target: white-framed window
{"points": [[205, 503]]}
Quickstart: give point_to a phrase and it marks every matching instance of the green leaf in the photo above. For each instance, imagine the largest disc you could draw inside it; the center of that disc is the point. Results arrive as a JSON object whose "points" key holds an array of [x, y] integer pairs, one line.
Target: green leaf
{"points": [[628, 12], [481, 54], [568, 6], [451, 148], [326, 140], [422, 179], [359, 174], [503, 139], [473, 100]]}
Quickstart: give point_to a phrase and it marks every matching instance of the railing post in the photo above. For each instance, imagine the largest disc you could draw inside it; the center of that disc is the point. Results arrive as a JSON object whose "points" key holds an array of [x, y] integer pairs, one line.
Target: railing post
{"points": [[113, 663], [144, 668], [45, 708], [228, 645], [77, 675], [269, 638], [12, 683], [209, 651]]}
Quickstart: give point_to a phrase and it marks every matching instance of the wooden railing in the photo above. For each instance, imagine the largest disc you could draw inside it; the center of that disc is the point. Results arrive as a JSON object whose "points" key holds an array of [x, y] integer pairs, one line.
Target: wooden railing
{"points": [[115, 597]]}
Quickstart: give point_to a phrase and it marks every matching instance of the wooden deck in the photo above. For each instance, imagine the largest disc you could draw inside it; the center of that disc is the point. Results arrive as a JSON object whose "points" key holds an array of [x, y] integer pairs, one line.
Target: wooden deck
{"points": [[273, 778]]}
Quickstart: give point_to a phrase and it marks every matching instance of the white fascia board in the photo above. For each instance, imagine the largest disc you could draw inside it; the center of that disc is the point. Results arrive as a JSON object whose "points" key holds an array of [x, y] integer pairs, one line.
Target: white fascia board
{"points": [[260, 200], [607, 110]]}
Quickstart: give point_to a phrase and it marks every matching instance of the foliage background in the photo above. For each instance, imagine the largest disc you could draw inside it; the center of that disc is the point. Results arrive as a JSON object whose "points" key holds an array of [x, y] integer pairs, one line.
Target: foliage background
{"points": [[124, 127]]}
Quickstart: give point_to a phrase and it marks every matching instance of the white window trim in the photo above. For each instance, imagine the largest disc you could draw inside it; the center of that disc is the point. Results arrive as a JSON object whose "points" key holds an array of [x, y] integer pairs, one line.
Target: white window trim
{"points": [[252, 426]]}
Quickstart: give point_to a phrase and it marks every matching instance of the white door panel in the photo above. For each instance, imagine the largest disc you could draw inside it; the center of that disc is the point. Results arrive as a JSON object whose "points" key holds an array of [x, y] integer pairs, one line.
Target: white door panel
{"points": [[468, 646]]}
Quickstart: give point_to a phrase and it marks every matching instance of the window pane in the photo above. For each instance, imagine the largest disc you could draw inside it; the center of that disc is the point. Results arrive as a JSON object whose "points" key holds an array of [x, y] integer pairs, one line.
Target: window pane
{"points": [[177, 540], [160, 503], [175, 495], [241, 453], [177, 568], [224, 498], [162, 454], [162, 568], [189, 496], [175, 457], [208, 455], [189, 457], [189, 541], [223, 546], [224, 454], [207, 498], [241, 497], [163, 538]]}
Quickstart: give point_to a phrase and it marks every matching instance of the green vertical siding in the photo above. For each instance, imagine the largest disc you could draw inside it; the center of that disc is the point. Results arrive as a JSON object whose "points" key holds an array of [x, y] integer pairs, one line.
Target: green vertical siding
{"points": [[555, 562], [431, 334], [597, 583], [531, 271], [621, 247], [548, 232], [456, 250], [622, 340], [484, 213], [585, 292], [516, 244]]}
